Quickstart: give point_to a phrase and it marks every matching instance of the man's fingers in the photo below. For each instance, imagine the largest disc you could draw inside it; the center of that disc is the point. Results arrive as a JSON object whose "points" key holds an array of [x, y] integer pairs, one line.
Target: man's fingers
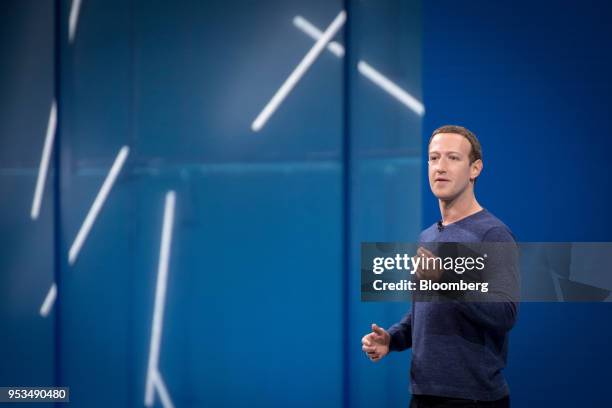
{"points": [[366, 340], [378, 330], [426, 252], [368, 349]]}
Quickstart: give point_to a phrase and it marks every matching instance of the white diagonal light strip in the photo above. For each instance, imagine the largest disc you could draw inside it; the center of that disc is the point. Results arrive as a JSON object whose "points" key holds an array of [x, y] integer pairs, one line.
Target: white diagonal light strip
{"points": [[298, 72], [73, 20], [97, 205], [49, 301], [44, 162], [314, 33], [164, 396], [154, 379], [364, 68], [394, 90]]}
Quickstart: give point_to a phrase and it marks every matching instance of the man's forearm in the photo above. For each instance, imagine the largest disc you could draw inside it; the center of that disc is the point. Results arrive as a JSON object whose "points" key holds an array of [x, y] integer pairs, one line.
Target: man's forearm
{"points": [[401, 334]]}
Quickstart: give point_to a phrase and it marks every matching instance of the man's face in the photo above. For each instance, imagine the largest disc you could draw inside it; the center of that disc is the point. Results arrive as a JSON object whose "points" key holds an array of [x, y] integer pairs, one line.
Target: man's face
{"points": [[449, 165]]}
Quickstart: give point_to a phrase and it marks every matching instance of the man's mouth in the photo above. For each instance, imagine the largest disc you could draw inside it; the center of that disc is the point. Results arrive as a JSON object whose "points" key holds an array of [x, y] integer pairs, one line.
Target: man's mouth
{"points": [[441, 179]]}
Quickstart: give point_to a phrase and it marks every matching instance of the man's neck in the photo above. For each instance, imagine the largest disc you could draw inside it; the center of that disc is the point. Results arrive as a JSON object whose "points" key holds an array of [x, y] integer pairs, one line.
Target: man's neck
{"points": [[459, 208]]}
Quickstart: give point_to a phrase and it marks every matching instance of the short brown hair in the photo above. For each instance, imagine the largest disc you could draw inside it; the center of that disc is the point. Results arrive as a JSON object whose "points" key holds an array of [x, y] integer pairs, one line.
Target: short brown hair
{"points": [[475, 152]]}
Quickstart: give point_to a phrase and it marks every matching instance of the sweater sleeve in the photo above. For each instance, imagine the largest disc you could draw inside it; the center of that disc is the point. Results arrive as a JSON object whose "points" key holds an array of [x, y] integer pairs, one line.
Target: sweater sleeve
{"points": [[401, 334], [495, 315], [497, 308]]}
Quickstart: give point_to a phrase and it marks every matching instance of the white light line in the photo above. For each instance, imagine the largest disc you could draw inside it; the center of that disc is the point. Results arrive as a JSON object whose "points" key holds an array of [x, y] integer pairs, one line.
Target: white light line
{"points": [[97, 205], [153, 376], [314, 33], [298, 72], [75, 8], [49, 301], [364, 68], [163, 391], [394, 90], [44, 162]]}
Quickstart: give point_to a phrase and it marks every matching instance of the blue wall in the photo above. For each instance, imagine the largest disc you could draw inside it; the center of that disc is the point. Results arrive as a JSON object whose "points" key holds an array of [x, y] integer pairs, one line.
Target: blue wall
{"points": [[262, 306], [532, 80], [27, 342]]}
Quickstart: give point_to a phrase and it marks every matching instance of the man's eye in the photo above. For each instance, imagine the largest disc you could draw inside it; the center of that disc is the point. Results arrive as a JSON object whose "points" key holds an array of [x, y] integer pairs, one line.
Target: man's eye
{"points": [[454, 158], [433, 158]]}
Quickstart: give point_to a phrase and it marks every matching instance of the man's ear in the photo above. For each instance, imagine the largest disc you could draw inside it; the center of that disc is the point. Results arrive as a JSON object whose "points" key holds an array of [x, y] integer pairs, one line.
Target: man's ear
{"points": [[475, 169]]}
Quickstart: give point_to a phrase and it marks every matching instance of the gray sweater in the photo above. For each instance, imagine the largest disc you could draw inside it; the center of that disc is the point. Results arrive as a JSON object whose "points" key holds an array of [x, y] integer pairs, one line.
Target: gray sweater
{"points": [[459, 348]]}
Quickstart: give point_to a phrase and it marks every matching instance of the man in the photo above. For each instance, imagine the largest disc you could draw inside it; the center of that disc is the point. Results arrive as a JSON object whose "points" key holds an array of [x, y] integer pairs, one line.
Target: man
{"points": [[458, 348]]}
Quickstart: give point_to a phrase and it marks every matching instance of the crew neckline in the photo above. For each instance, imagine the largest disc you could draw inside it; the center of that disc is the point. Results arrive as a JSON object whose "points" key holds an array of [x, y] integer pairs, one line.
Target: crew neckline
{"points": [[483, 210]]}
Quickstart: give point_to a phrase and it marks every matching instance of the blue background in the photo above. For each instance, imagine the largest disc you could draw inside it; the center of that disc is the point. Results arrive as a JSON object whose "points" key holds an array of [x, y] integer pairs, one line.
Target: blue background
{"points": [[532, 80], [263, 294]]}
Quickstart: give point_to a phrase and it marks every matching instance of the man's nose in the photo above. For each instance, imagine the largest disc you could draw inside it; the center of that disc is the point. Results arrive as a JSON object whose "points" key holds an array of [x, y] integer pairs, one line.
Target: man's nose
{"points": [[440, 167]]}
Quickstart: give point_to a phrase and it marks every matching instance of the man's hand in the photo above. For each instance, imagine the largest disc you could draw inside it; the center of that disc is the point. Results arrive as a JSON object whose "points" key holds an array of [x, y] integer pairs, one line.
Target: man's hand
{"points": [[376, 344], [433, 273]]}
